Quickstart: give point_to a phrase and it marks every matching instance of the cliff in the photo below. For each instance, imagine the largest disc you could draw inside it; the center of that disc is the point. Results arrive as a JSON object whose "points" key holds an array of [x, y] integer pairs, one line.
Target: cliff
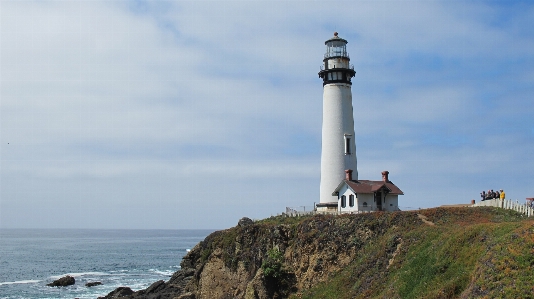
{"points": [[434, 253]]}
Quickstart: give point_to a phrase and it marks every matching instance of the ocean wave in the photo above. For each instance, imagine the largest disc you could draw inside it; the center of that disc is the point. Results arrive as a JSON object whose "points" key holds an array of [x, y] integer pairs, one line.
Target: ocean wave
{"points": [[162, 272], [18, 282]]}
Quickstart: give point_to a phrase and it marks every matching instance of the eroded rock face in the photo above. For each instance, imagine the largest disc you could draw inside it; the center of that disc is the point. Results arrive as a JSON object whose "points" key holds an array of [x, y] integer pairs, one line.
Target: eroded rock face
{"points": [[120, 292], [63, 282], [217, 280], [228, 263]]}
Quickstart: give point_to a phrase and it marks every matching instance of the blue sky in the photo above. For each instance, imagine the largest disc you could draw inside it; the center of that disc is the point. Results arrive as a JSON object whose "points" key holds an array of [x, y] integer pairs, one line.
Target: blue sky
{"points": [[134, 114]]}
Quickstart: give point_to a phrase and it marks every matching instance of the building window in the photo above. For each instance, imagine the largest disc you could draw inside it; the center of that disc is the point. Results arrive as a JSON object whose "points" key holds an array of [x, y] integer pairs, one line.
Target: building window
{"points": [[343, 201], [347, 145], [351, 200], [364, 204]]}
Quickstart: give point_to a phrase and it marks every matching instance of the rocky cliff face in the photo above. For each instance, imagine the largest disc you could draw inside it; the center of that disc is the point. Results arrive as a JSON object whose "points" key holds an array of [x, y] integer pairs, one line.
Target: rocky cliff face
{"points": [[281, 257], [228, 263]]}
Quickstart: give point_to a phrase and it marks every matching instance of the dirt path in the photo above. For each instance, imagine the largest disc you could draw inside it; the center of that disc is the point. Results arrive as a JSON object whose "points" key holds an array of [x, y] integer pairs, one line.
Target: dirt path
{"points": [[425, 219]]}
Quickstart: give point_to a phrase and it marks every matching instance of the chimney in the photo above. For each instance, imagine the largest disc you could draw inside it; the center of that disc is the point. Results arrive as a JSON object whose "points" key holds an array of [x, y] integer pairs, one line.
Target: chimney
{"points": [[385, 174], [348, 174]]}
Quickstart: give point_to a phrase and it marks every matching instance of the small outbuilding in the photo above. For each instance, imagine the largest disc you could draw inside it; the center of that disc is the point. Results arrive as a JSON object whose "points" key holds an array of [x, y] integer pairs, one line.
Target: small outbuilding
{"points": [[367, 196]]}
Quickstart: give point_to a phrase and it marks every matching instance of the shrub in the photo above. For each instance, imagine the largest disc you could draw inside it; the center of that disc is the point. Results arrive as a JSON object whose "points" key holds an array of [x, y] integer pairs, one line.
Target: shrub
{"points": [[272, 265]]}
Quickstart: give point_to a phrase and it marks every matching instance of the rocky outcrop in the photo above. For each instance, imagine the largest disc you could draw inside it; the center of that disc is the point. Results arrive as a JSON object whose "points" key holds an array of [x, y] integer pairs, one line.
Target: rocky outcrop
{"points": [[175, 287], [63, 282], [280, 256], [120, 292], [245, 221], [232, 263], [93, 284]]}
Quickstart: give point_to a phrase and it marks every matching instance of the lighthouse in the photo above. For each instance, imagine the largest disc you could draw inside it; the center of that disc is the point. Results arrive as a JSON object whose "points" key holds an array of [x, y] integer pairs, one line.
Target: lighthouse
{"points": [[338, 151]]}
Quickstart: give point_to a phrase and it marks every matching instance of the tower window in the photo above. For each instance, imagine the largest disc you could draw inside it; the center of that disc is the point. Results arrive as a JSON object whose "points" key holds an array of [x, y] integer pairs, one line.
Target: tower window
{"points": [[347, 145], [343, 201]]}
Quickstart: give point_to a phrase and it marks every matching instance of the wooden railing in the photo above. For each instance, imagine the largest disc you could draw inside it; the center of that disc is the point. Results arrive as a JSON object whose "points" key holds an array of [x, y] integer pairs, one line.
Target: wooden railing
{"points": [[507, 204]]}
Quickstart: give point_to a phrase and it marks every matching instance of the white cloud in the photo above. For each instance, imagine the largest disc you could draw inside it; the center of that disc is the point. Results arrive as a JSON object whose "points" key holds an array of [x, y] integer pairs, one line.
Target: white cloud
{"points": [[111, 99]]}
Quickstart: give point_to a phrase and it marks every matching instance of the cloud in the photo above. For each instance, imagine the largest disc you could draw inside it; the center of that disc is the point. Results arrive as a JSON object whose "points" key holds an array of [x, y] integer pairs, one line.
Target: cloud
{"points": [[171, 103]]}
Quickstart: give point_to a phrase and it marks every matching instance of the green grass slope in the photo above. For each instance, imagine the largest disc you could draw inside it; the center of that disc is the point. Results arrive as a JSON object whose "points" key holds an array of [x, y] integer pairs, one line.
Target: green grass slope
{"points": [[455, 253]]}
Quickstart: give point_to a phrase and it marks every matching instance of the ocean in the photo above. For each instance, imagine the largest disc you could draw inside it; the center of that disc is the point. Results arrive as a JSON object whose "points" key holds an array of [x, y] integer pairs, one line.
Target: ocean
{"points": [[31, 258]]}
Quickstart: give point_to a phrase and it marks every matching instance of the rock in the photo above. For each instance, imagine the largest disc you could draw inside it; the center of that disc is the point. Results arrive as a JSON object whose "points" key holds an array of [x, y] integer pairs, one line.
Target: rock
{"points": [[245, 221], [62, 282], [92, 284], [256, 287], [181, 277], [187, 295], [155, 287], [119, 292]]}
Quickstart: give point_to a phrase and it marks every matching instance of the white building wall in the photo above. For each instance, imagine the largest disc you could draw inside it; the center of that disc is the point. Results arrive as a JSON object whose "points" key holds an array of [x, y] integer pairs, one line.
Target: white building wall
{"points": [[347, 192], [340, 62], [338, 121], [366, 198], [391, 203]]}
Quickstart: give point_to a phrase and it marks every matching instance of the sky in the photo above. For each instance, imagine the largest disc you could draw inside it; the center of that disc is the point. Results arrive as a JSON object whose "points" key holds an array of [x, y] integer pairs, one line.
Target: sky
{"points": [[193, 114]]}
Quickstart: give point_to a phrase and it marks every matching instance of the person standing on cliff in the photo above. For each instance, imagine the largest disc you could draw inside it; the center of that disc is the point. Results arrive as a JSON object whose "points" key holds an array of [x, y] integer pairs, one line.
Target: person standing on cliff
{"points": [[502, 196], [483, 195]]}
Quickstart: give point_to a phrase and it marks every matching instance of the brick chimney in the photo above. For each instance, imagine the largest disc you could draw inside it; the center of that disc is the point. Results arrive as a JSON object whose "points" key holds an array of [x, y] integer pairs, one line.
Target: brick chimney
{"points": [[385, 175], [348, 174]]}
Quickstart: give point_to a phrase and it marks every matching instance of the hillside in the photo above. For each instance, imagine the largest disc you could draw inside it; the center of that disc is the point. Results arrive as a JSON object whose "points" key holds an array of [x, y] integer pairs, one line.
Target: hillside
{"points": [[434, 253]]}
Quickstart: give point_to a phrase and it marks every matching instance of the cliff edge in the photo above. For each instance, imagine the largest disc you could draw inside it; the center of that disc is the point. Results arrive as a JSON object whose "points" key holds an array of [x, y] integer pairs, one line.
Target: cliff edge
{"points": [[434, 253]]}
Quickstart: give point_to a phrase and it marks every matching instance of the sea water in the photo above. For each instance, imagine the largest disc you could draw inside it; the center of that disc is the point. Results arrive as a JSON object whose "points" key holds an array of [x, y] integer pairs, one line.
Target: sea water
{"points": [[32, 258]]}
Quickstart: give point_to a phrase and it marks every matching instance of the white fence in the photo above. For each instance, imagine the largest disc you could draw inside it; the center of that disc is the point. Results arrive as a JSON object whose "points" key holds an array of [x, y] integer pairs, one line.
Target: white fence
{"points": [[507, 204], [293, 212], [299, 211]]}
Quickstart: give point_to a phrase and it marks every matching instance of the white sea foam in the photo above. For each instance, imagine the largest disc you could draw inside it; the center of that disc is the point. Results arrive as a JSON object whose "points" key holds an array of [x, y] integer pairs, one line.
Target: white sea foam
{"points": [[160, 272], [18, 282]]}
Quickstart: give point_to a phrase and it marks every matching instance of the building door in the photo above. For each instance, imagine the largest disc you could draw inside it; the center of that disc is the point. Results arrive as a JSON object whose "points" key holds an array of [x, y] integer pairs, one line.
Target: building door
{"points": [[378, 200]]}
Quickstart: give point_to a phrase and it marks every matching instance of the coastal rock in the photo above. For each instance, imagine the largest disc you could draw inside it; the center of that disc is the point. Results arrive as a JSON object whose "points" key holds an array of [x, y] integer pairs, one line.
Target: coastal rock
{"points": [[187, 295], [245, 221], [176, 287], [92, 284], [256, 288], [155, 287], [62, 282], [282, 256], [118, 293]]}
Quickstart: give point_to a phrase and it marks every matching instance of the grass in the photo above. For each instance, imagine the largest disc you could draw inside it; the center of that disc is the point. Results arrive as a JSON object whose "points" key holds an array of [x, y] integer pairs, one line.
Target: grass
{"points": [[469, 253]]}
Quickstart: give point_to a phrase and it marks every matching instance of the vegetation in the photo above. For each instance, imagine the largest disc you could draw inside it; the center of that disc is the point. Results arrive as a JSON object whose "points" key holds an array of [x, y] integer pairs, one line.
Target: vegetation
{"points": [[469, 253], [454, 253], [272, 265]]}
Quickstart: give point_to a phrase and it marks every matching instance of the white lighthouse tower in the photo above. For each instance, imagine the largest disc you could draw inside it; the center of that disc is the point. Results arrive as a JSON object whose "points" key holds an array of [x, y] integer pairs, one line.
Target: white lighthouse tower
{"points": [[338, 144]]}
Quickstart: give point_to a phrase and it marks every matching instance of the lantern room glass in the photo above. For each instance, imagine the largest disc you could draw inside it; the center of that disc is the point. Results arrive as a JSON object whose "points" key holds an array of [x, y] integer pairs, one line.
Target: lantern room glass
{"points": [[336, 49]]}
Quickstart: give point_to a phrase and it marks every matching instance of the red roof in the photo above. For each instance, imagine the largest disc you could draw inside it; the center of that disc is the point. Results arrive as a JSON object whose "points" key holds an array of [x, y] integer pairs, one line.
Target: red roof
{"points": [[365, 186]]}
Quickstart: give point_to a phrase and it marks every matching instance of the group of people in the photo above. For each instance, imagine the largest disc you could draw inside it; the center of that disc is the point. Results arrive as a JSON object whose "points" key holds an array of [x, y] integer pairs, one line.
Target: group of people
{"points": [[492, 194]]}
